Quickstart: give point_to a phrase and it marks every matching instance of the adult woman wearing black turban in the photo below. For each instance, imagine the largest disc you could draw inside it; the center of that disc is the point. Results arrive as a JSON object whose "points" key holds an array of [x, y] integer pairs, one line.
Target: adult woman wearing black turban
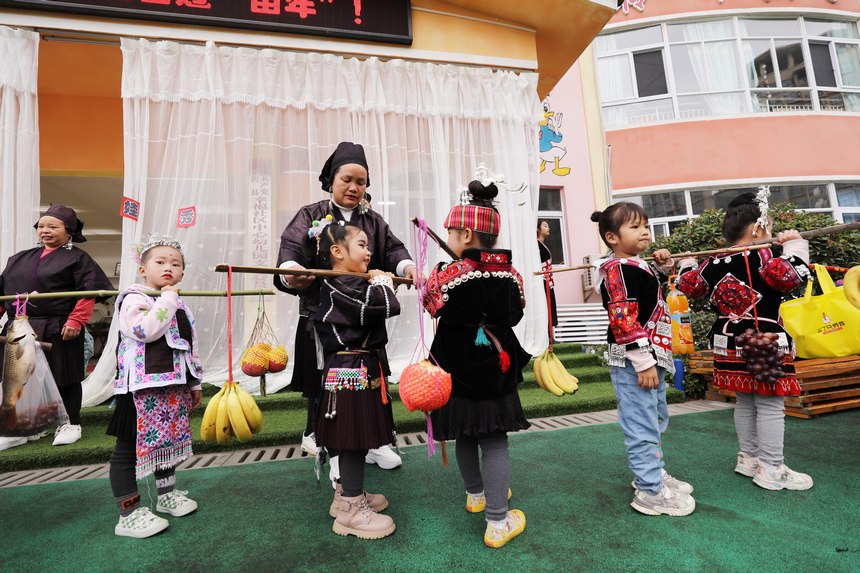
{"points": [[345, 176], [56, 265]]}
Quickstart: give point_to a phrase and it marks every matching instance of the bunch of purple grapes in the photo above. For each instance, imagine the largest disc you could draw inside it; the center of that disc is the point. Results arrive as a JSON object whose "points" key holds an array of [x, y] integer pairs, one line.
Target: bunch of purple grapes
{"points": [[762, 354]]}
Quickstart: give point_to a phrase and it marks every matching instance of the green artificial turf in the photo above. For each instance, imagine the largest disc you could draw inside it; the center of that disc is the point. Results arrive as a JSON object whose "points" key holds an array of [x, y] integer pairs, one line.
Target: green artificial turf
{"points": [[285, 415], [573, 485]]}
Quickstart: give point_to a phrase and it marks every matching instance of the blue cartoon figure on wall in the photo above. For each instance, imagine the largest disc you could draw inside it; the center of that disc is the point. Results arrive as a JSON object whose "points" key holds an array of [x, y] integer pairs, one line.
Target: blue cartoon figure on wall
{"points": [[550, 137]]}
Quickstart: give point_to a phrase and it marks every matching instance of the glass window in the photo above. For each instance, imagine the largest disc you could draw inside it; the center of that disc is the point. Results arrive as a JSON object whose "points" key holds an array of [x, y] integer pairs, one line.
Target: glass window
{"points": [[650, 73], [804, 196], [549, 199], [831, 29], [781, 101], [848, 194], [664, 205], [697, 31], [705, 67], [769, 28], [704, 105], [639, 112], [627, 39], [759, 63], [848, 56], [792, 68], [615, 81], [839, 101], [822, 63], [850, 217]]}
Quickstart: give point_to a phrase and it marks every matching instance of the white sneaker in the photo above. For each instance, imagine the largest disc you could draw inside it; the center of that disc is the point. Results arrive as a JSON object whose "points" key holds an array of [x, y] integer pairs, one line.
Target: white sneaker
{"points": [[6, 443], [672, 483], [309, 444], [67, 434], [140, 523], [666, 502], [384, 457], [334, 471], [176, 503], [747, 465], [780, 477]]}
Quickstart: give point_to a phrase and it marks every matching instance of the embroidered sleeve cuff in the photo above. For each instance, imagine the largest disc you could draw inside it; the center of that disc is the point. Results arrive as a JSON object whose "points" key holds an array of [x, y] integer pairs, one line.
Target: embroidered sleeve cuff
{"points": [[383, 280], [798, 248]]}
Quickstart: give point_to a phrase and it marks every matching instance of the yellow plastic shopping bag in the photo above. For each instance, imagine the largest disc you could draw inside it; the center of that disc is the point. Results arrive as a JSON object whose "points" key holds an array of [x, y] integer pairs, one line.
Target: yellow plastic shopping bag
{"points": [[823, 326]]}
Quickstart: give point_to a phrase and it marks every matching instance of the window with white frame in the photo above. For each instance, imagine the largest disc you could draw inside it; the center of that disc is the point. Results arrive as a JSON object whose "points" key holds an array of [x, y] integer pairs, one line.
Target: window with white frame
{"points": [[550, 209], [728, 66], [668, 210]]}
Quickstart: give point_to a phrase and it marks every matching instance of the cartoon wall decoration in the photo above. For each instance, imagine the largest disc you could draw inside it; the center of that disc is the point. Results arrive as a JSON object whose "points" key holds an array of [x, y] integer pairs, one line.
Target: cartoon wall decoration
{"points": [[550, 137], [639, 5]]}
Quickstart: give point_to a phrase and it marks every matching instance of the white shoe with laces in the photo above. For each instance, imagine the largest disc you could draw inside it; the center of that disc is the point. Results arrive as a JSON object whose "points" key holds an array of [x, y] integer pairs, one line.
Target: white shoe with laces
{"points": [[747, 465], [176, 503], [384, 457], [780, 477], [672, 483], [140, 523], [309, 444], [665, 502], [67, 434]]}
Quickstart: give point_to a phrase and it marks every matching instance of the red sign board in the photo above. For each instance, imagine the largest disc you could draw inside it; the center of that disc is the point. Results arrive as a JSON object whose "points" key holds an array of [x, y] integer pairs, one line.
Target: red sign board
{"points": [[375, 20]]}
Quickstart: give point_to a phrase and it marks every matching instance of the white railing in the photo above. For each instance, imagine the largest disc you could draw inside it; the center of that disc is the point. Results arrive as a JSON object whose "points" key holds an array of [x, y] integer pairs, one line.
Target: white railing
{"points": [[582, 323]]}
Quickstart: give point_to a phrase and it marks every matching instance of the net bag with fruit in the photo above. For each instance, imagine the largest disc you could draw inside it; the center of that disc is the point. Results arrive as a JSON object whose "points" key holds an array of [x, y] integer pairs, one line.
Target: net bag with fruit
{"points": [[263, 353]]}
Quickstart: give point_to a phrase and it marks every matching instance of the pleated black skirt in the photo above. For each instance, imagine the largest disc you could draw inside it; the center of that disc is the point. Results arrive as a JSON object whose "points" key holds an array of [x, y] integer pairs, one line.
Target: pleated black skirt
{"points": [[361, 422], [464, 417], [123, 422]]}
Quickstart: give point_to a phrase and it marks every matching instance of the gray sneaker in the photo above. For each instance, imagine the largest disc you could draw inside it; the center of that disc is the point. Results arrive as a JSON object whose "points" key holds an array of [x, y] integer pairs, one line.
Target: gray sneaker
{"points": [[780, 477], [747, 465], [666, 502], [140, 523]]}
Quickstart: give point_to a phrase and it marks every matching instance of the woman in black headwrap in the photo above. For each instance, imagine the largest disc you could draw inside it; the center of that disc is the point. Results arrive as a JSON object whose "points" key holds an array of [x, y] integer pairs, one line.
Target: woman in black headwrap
{"points": [[56, 265], [345, 176]]}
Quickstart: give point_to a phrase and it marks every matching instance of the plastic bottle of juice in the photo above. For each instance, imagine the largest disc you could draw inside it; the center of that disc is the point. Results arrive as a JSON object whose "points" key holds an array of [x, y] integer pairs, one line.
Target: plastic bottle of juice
{"points": [[682, 328]]}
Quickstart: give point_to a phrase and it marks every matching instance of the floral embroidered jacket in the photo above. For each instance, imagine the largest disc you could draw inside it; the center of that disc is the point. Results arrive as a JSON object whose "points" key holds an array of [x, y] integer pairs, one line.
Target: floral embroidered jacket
{"points": [[733, 297], [157, 346], [639, 318]]}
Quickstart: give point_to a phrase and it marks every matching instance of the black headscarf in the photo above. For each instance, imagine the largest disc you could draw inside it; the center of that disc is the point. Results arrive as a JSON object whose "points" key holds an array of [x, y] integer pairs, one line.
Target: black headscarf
{"points": [[346, 152], [68, 216]]}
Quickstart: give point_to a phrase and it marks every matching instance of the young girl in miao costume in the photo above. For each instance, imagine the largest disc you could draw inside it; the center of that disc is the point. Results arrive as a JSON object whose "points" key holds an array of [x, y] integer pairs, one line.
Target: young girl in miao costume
{"points": [[157, 384], [354, 412], [478, 299], [746, 290], [640, 355]]}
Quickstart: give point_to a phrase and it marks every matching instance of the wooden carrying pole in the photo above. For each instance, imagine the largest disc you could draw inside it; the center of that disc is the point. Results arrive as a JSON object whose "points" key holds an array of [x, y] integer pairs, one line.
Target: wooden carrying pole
{"points": [[224, 267], [110, 293], [753, 246], [45, 345], [442, 245]]}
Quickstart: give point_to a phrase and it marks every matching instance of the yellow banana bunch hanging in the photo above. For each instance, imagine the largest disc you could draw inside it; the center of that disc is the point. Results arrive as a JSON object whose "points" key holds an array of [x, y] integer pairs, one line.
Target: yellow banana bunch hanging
{"points": [[552, 376], [231, 412]]}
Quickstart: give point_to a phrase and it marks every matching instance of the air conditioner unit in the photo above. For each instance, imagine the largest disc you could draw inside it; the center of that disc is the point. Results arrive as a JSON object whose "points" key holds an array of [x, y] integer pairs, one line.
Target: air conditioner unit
{"points": [[589, 276]]}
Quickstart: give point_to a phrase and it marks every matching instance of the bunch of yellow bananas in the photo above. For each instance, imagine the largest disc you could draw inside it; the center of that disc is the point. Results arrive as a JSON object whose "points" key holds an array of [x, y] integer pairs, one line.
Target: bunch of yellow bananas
{"points": [[552, 376], [231, 412]]}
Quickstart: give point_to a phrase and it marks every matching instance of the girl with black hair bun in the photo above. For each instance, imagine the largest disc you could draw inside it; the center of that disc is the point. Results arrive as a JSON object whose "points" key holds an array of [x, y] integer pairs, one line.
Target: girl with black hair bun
{"points": [[745, 291], [478, 299], [543, 232], [354, 414], [640, 355]]}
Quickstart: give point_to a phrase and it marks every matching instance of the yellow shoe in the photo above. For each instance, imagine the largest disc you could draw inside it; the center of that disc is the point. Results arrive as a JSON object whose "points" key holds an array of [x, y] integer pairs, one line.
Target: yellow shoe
{"points": [[476, 503], [515, 523]]}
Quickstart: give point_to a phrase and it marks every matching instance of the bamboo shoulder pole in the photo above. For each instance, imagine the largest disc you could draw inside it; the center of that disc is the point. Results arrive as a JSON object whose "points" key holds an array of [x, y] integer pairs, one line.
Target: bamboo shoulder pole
{"points": [[224, 267], [753, 246], [110, 293], [442, 244]]}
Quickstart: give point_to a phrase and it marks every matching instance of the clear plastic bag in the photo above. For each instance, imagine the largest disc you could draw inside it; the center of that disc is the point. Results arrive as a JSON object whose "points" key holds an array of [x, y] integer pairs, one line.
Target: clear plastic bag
{"points": [[40, 406]]}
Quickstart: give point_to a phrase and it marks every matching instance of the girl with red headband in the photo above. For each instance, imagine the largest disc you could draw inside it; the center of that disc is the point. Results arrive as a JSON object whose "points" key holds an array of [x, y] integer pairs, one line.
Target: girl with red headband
{"points": [[478, 299]]}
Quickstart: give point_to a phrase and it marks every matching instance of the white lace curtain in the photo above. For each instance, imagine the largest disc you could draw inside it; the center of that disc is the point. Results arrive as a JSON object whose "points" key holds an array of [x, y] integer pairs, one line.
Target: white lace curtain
{"points": [[241, 134], [19, 140]]}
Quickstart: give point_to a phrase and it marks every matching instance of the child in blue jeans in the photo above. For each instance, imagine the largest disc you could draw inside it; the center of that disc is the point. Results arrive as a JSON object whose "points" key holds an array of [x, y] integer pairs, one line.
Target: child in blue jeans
{"points": [[640, 354]]}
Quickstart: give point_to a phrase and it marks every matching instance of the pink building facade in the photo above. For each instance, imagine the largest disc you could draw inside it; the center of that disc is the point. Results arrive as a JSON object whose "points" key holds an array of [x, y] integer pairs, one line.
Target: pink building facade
{"points": [[680, 105]]}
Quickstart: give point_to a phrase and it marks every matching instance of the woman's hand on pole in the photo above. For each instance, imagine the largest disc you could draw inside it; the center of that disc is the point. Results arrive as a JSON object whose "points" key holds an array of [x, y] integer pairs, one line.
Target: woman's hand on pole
{"points": [[298, 282], [411, 273]]}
